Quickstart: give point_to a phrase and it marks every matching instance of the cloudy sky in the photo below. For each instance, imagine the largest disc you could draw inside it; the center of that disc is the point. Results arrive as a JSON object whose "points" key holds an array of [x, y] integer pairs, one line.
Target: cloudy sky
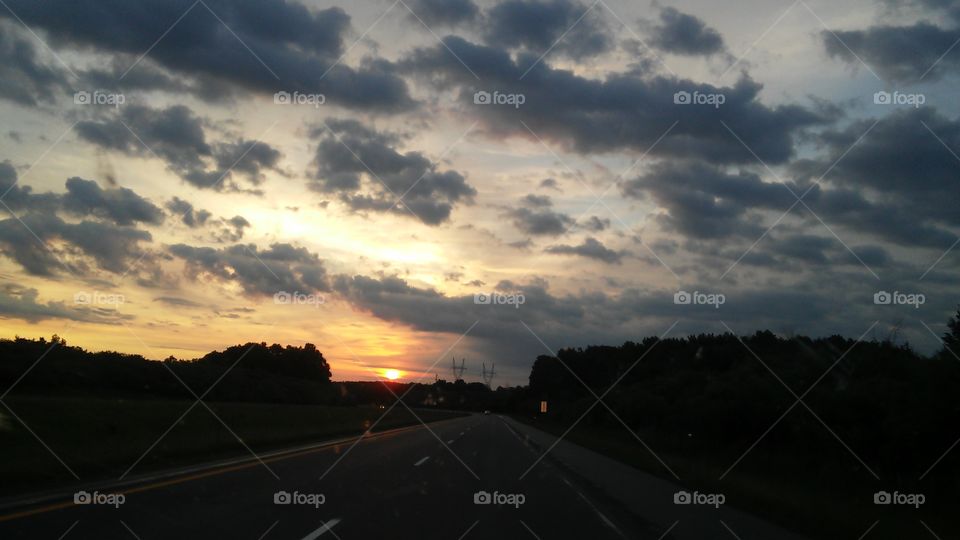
{"points": [[179, 176]]}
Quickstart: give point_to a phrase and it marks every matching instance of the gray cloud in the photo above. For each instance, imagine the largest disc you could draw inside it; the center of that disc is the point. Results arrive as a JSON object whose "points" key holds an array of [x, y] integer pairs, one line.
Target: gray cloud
{"points": [[898, 53], [120, 205], [703, 201], [24, 79], [282, 267], [538, 25], [188, 215], [681, 33], [291, 46], [627, 111], [443, 12], [22, 303], [177, 136], [591, 248], [353, 152], [535, 216], [112, 247]]}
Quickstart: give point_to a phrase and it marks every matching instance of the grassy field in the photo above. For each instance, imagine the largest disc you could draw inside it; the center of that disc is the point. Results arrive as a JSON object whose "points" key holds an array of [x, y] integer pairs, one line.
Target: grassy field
{"points": [[102, 438], [785, 494]]}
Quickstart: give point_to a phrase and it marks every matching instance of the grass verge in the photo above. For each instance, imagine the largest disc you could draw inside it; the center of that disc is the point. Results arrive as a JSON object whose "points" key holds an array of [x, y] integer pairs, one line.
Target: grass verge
{"points": [[102, 438], [787, 495]]}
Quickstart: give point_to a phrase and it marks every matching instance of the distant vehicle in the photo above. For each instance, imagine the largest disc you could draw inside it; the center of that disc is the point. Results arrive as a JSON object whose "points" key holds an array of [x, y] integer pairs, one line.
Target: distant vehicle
{"points": [[486, 411]]}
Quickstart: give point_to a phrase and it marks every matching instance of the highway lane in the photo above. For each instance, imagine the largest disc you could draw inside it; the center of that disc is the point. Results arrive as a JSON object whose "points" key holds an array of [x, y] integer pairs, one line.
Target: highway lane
{"points": [[414, 483]]}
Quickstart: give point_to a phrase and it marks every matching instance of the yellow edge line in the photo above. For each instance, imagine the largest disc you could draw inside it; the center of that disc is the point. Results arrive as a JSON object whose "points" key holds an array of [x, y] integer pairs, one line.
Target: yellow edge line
{"points": [[196, 476]]}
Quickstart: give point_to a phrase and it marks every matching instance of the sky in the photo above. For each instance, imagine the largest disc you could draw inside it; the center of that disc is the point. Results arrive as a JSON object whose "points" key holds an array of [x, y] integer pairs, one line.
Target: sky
{"points": [[404, 182]]}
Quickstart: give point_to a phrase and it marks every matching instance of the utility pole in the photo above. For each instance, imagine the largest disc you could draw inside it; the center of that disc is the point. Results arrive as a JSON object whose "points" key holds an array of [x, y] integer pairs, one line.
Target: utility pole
{"points": [[488, 376], [458, 371]]}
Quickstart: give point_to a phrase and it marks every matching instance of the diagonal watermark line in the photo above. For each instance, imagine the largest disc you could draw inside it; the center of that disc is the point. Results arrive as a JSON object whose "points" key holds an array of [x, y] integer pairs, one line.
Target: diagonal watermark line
{"points": [[527, 527], [940, 339], [255, 256], [442, 155], [465, 533], [865, 533], [66, 532], [127, 527], [266, 532], [394, 404], [159, 39], [454, 454], [42, 42], [666, 532], [799, 399], [939, 459], [945, 253], [53, 346], [800, 198], [638, 38], [945, 145], [727, 527], [760, 161], [599, 400], [412, 412], [242, 42], [369, 170], [43, 155], [32, 233], [442, 42], [852, 252], [758, 40], [598, 199], [213, 187], [359, 39], [929, 530], [41, 441], [198, 402], [834, 34], [942, 56], [557, 42]]}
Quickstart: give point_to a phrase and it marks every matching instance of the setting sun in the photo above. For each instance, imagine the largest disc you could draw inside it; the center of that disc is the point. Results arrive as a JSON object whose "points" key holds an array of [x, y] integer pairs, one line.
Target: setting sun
{"points": [[392, 374]]}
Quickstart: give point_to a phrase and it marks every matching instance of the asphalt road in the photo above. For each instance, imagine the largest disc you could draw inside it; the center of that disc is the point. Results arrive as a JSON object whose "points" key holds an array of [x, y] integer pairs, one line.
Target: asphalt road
{"points": [[416, 483]]}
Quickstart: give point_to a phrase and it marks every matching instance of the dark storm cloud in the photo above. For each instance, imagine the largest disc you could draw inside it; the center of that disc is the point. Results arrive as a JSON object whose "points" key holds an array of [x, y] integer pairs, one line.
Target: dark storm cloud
{"points": [[443, 12], [282, 267], [591, 248], [120, 205], [538, 25], [349, 152], [681, 33], [177, 136], [259, 46], [624, 112], [536, 216], [24, 79]]}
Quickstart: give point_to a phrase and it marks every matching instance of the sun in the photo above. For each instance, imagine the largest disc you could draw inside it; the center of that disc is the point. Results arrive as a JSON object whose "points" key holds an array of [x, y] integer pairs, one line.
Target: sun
{"points": [[392, 374]]}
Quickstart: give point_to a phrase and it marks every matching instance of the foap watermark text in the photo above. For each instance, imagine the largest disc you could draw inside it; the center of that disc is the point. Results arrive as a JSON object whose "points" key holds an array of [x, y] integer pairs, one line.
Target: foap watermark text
{"points": [[697, 298]]}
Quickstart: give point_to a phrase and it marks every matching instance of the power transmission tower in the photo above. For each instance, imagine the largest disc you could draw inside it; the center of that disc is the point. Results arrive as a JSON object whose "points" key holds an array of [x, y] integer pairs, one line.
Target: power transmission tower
{"points": [[488, 376], [458, 371]]}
